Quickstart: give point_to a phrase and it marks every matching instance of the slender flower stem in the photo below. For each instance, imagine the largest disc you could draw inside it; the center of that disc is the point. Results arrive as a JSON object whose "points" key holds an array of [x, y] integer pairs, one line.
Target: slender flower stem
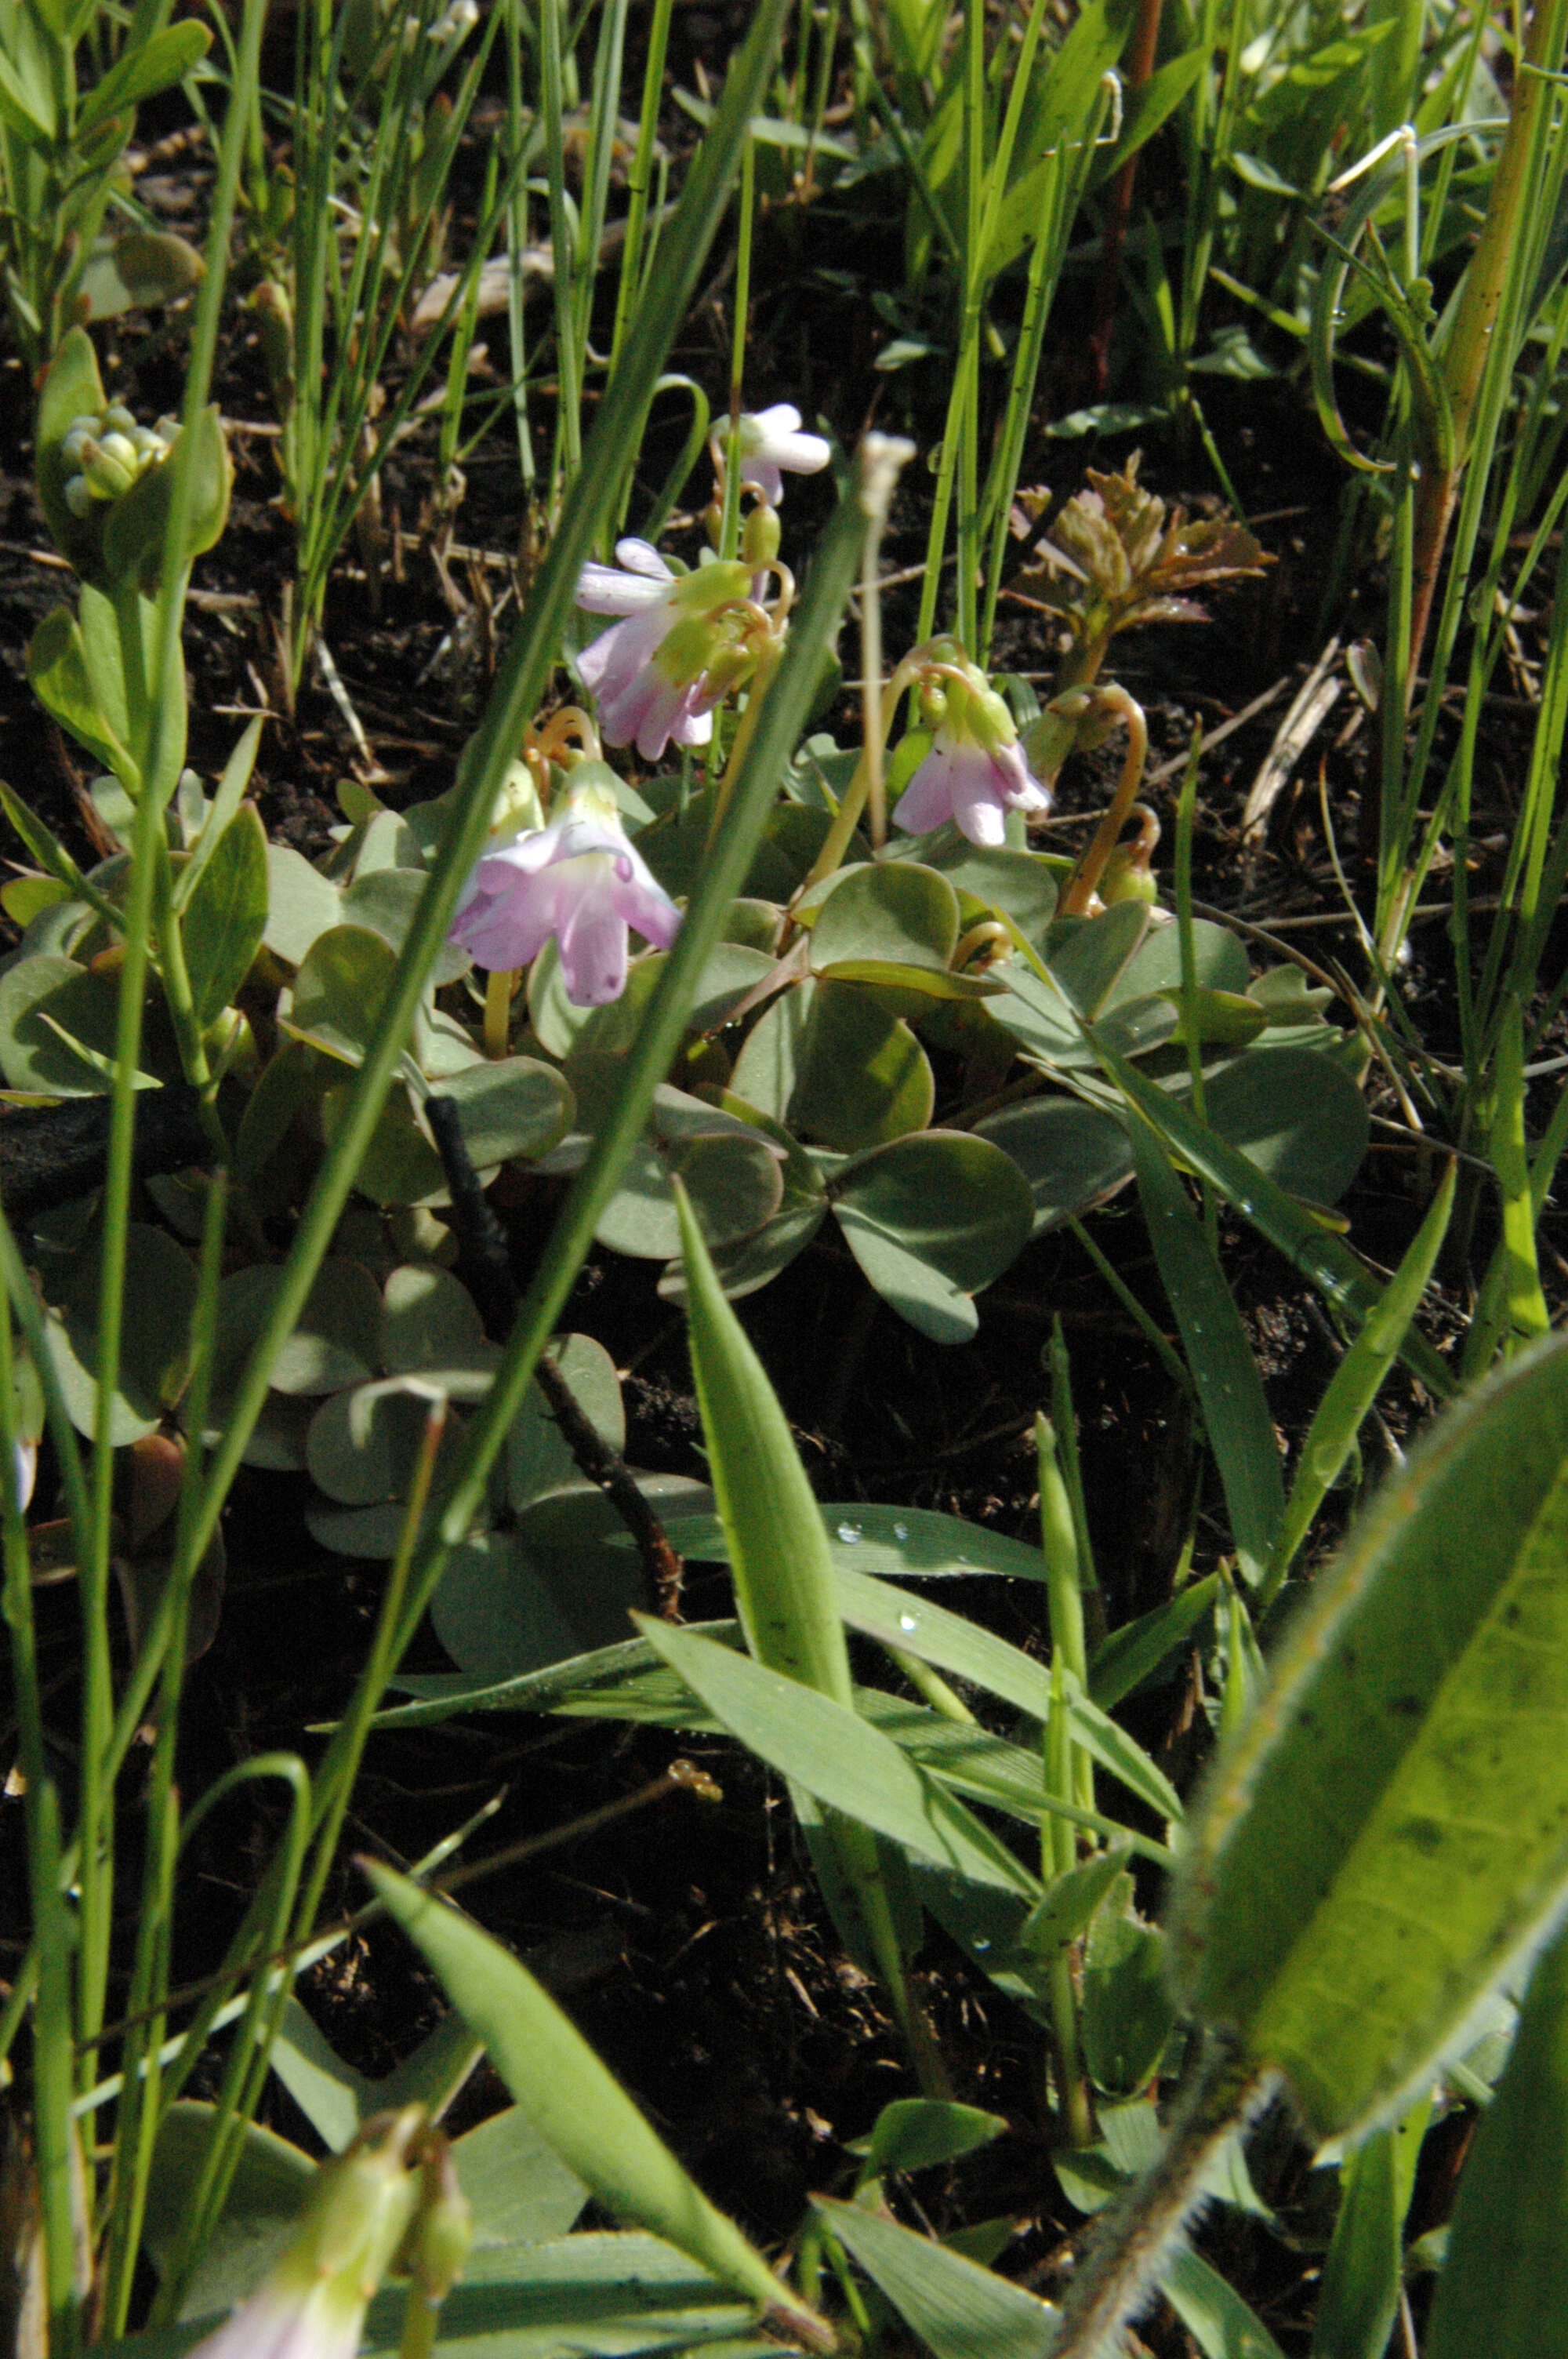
{"points": [[1091, 867]]}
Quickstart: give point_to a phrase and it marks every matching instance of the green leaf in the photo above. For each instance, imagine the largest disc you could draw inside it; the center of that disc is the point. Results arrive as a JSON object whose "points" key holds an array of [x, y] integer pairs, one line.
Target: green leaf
{"points": [[265, 2200], [932, 1220], [1332, 1268], [33, 1055], [139, 268], [1128, 2017], [1221, 2324], [59, 675], [1504, 2286], [1356, 1382], [135, 528], [538, 1458], [1358, 2293], [838, 1756], [1137, 1650], [1296, 1114], [1073, 1155], [339, 992], [901, 913], [910, 1543], [959, 2309], [913, 1625], [226, 915], [777, 1546], [301, 904], [143, 67], [918, 2133], [857, 1076], [576, 2106], [1387, 1836], [1236, 1413], [519, 2189]]}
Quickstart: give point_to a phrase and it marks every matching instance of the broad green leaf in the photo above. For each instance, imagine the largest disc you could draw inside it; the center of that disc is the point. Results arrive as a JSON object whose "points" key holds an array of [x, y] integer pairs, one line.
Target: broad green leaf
{"points": [[339, 990], [140, 267], [1504, 2286], [959, 2309], [931, 1220], [520, 2191], [1387, 1837], [1128, 2017], [268, 2191], [1236, 1413], [860, 1075], [225, 917], [574, 2102], [135, 532], [399, 1165], [917, 2133], [1022, 886], [143, 67], [509, 1109], [302, 904], [901, 913], [337, 1341], [1073, 1155], [428, 1320], [59, 676], [84, 1005], [1092, 960], [538, 1458], [386, 899], [1296, 1114], [777, 1546], [838, 1756]]}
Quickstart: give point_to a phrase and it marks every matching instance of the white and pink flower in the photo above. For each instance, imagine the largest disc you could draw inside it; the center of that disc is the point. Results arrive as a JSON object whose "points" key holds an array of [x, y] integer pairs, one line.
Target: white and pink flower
{"points": [[649, 671], [581, 880], [975, 773], [772, 446]]}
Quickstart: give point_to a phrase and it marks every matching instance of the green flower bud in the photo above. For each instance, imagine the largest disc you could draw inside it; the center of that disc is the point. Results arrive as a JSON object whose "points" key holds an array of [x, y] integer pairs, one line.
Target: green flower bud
{"points": [[1125, 878], [106, 476], [760, 537], [119, 447], [119, 420], [77, 498]]}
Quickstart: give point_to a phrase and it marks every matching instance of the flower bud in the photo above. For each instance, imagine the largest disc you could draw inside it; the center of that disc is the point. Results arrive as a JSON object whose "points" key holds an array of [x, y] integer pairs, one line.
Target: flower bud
{"points": [[1126, 879], [441, 2238], [760, 537], [119, 447], [77, 498], [687, 648], [108, 476], [119, 420]]}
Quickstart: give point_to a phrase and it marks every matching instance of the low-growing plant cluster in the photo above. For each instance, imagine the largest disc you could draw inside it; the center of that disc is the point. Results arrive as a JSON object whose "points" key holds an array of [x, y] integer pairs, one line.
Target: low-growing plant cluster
{"points": [[733, 941]]}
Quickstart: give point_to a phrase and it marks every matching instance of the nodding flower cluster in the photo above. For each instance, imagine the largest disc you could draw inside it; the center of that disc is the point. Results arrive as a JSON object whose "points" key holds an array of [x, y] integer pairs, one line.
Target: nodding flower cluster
{"points": [[108, 453], [975, 773], [679, 642]]}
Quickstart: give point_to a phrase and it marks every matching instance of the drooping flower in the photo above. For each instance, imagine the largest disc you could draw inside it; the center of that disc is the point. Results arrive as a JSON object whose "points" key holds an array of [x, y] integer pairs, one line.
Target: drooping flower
{"points": [[312, 2302], [579, 879], [649, 671], [771, 445], [975, 773]]}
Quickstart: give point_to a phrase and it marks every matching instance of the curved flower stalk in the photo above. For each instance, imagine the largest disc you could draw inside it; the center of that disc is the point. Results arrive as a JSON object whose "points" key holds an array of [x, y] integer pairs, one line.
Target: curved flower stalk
{"points": [[579, 879]]}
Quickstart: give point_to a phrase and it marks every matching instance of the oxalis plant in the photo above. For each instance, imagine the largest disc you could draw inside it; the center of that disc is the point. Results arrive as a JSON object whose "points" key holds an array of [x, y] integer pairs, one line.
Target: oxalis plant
{"points": [[867, 999]]}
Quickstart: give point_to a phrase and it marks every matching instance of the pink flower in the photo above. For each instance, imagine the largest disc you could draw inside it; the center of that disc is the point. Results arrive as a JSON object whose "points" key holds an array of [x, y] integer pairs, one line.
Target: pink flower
{"points": [[579, 879], [312, 2304], [648, 672], [975, 773], [770, 441]]}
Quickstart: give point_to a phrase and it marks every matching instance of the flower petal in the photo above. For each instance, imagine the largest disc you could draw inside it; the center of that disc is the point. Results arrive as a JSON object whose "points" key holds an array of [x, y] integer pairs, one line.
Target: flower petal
{"points": [[593, 951]]}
